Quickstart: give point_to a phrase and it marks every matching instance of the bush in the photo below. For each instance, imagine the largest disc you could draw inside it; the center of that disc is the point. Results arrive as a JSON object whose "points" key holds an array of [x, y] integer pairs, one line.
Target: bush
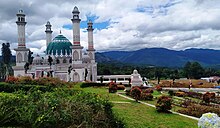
{"points": [[112, 87], [163, 104], [180, 94], [62, 108], [11, 80], [208, 96], [120, 87], [197, 110], [9, 88], [158, 88], [136, 93], [149, 90], [170, 92], [146, 96]]}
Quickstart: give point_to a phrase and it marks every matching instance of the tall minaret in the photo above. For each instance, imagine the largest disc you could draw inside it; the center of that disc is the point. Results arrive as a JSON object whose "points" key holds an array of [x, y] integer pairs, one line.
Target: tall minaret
{"points": [[21, 51], [76, 48], [48, 33], [90, 50], [21, 28]]}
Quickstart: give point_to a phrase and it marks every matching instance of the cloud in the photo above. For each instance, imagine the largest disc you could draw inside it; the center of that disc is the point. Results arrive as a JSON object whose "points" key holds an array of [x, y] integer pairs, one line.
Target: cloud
{"points": [[121, 25]]}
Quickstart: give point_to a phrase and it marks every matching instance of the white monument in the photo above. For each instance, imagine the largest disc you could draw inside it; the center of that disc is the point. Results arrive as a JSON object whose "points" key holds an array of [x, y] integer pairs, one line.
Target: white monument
{"points": [[136, 79]]}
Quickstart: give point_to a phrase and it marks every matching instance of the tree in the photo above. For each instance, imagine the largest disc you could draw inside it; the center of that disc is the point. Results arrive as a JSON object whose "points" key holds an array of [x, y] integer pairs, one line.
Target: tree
{"points": [[26, 67], [30, 57], [193, 70], [6, 57], [86, 73], [158, 74], [50, 60]]}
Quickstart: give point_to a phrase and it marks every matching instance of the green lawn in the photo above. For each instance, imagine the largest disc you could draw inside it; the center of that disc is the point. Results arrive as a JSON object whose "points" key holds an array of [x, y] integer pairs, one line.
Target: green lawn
{"points": [[136, 115]]}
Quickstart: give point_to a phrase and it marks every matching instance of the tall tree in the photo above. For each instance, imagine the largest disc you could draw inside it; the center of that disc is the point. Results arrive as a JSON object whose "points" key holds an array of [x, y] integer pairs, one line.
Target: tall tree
{"points": [[6, 57], [30, 57]]}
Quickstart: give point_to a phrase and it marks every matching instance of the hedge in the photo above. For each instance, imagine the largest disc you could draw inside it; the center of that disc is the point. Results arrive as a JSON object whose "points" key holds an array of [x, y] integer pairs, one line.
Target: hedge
{"points": [[84, 85], [6, 87]]}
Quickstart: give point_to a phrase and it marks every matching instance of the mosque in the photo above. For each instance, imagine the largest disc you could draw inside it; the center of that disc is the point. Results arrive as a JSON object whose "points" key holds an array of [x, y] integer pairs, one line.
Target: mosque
{"points": [[62, 58]]}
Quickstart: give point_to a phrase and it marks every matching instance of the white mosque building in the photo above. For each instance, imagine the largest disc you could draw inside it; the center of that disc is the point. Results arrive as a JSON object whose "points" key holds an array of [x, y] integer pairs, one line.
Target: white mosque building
{"points": [[69, 62]]}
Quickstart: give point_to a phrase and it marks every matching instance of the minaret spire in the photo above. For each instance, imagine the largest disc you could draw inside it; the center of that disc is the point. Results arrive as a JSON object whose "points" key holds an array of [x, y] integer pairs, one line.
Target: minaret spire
{"points": [[90, 50], [21, 50], [76, 48], [48, 33], [76, 26], [21, 28]]}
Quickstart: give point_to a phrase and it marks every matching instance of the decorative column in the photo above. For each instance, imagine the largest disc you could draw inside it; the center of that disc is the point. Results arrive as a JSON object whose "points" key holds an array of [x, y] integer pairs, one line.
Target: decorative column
{"points": [[48, 33]]}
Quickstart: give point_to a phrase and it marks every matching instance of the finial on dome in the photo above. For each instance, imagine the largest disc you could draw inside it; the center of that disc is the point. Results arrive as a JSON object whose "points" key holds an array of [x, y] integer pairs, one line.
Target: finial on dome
{"points": [[60, 32]]}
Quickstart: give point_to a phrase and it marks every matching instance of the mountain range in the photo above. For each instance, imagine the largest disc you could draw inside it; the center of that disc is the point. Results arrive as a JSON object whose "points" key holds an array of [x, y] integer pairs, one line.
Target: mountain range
{"points": [[163, 57], [159, 57]]}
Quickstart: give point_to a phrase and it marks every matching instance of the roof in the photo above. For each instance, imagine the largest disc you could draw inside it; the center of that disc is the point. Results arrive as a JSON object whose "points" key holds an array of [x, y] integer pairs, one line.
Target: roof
{"points": [[59, 44]]}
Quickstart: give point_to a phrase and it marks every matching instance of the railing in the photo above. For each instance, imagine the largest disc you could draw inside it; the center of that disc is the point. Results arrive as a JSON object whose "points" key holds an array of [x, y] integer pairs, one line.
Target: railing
{"points": [[124, 79]]}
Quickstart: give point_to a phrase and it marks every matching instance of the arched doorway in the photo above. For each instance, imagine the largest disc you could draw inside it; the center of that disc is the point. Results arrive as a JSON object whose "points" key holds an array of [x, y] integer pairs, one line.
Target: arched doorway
{"points": [[76, 77]]}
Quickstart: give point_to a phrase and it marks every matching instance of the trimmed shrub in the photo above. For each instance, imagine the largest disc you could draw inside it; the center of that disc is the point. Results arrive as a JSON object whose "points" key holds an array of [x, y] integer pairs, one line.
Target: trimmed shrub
{"points": [[197, 110], [158, 88], [164, 104], [149, 90], [207, 97], [120, 87], [112, 87], [136, 93], [180, 94], [146, 96]]}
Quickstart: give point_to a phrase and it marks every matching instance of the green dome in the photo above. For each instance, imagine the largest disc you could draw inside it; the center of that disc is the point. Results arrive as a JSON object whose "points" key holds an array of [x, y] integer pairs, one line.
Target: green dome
{"points": [[59, 43]]}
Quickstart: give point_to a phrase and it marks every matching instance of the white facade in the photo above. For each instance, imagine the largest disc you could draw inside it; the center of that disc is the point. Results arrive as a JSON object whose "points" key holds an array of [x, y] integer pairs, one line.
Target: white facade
{"points": [[69, 63]]}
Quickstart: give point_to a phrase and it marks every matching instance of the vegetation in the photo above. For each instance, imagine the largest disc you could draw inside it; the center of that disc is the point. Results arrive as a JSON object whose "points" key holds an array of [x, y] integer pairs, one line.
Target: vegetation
{"points": [[6, 68], [139, 115], [164, 104], [53, 105], [190, 70]]}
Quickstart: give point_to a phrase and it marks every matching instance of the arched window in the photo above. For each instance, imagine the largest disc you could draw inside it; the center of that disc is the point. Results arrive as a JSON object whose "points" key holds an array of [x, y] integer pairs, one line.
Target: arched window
{"points": [[58, 61], [75, 55], [19, 57]]}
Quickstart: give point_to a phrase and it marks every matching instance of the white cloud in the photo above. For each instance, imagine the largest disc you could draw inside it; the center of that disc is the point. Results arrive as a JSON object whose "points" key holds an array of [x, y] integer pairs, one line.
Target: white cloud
{"points": [[173, 24]]}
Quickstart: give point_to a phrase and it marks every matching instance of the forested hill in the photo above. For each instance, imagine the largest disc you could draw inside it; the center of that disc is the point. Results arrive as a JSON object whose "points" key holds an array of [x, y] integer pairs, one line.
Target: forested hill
{"points": [[166, 58]]}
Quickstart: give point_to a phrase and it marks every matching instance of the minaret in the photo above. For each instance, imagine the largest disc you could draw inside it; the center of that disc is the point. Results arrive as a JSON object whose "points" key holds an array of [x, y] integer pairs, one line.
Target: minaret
{"points": [[21, 28], [76, 48], [48, 33], [21, 51], [90, 50]]}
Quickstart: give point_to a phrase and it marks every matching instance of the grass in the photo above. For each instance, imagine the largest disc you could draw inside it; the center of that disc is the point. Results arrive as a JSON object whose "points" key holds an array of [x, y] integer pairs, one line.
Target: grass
{"points": [[136, 115]]}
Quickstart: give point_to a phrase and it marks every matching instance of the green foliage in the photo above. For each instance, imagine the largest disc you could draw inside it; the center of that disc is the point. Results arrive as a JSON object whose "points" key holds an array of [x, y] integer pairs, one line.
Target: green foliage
{"points": [[164, 103], [193, 70], [61, 108], [7, 87]]}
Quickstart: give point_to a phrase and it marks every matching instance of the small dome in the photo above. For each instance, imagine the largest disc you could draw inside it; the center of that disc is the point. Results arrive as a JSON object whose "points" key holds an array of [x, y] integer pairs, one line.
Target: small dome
{"points": [[135, 72], [59, 45]]}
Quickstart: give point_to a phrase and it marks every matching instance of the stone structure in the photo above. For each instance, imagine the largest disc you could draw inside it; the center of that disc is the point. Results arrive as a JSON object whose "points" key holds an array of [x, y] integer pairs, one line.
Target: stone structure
{"points": [[68, 62], [136, 79]]}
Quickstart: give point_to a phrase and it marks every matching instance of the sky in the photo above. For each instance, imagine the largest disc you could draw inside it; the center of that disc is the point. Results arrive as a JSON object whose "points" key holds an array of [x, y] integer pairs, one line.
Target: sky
{"points": [[119, 25]]}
